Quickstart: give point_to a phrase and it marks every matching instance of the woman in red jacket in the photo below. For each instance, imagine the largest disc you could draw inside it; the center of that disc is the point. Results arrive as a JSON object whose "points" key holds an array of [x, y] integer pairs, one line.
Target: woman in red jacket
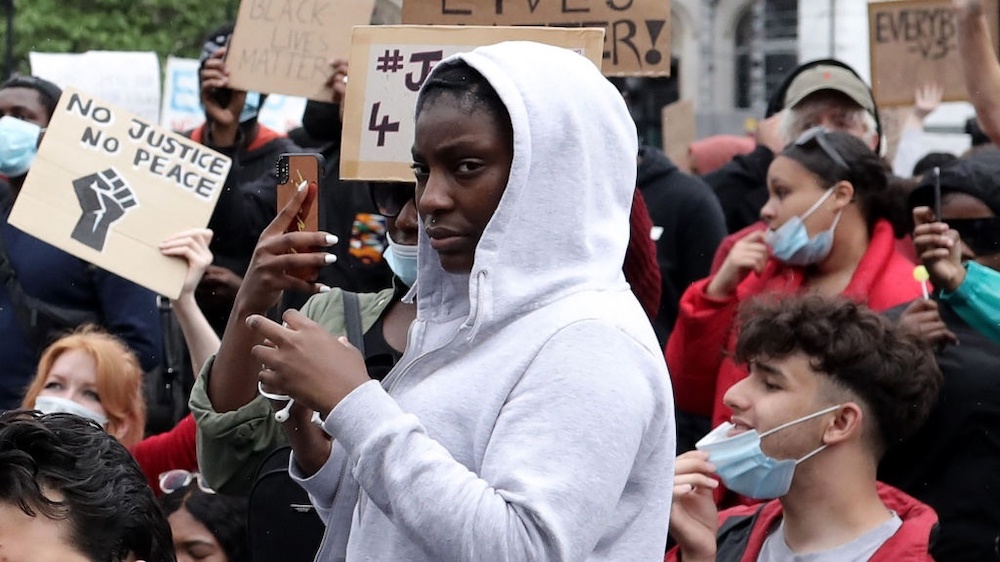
{"points": [[93, 374], [828, 232]]}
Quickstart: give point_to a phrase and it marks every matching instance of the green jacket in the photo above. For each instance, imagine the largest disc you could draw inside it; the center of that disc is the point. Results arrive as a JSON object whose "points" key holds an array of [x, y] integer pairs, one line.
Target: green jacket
{"points": [[231, 445]]}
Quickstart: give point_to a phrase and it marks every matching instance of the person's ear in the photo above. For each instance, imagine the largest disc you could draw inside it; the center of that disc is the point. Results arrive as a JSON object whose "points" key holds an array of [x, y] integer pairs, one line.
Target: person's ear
{"points": [[843, 193], [845, 424], [120, 429]]}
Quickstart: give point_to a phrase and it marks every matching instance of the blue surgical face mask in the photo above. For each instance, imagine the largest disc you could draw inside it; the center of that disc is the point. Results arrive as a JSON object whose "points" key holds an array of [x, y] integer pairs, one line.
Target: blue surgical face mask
{"points": [[790, 243], [251, 107], [18, 145], [58, 404], [742, 465], [402, 260]]}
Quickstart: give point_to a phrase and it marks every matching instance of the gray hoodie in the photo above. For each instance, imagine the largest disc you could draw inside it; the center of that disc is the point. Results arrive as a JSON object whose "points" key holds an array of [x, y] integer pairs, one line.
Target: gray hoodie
{"points": [[531, 416]]}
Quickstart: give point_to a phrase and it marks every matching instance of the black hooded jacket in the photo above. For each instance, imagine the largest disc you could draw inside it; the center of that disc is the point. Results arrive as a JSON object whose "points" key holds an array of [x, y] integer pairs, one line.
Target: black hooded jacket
{"points": [[688, 226], [953, 462]]}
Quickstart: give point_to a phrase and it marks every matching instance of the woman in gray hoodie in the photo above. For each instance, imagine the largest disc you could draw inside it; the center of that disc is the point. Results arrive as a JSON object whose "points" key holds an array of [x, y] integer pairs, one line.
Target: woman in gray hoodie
{"points": [[531, 415]]}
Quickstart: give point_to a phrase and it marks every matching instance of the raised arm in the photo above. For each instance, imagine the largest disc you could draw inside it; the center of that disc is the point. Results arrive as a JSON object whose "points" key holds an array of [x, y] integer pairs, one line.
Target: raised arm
{"points": [[979, 64], [233, 381], [201, 340]]}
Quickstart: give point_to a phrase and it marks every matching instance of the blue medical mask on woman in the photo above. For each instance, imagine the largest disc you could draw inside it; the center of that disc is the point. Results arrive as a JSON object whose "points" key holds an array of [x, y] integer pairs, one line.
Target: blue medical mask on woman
{"points": [[58, 404], [742, 465], [18, 145], [402, 260], [790, 242]]}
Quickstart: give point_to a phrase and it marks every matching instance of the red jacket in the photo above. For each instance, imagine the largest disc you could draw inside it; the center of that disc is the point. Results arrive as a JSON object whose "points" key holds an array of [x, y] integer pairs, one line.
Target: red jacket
{"points": [[176, 448], [743, 530], [698, 352]]}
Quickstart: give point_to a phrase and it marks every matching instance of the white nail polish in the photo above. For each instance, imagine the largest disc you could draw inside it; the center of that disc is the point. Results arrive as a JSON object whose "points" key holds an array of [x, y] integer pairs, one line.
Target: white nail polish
{"points": [[330, 258], [323, 288], [331, 239], [303, 185]]}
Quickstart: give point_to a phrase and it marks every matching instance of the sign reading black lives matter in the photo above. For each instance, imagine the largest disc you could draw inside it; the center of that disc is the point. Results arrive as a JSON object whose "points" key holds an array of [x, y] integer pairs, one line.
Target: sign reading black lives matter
{"points": [[388, 66], [636, 42], [108, 187], [285, 46], [914, 42]]}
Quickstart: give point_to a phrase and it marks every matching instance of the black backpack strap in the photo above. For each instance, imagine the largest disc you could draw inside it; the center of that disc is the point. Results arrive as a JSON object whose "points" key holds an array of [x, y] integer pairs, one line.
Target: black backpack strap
{"points": [[352, 321]]}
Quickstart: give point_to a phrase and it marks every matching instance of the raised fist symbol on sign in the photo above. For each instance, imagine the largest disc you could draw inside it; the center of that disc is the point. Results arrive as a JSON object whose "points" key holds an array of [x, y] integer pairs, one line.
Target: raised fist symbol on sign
{"points": [[104, 199]]}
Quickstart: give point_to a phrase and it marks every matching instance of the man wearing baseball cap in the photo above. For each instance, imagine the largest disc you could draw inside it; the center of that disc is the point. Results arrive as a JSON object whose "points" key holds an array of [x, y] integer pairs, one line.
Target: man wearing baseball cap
{"points": [[825, 92]]}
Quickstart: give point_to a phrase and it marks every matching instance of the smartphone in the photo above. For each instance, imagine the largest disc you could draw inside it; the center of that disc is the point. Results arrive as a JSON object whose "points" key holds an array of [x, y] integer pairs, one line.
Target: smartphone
{"points": [[292, 170], [937, 194]]}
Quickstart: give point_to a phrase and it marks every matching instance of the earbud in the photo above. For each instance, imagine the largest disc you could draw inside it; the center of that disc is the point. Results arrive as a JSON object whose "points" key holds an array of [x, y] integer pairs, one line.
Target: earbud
{"points": [[282, 415]]}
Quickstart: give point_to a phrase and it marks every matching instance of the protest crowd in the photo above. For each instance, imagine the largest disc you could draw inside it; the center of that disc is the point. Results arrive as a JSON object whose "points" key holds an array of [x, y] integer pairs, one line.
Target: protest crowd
{"points": [[547, 341]]}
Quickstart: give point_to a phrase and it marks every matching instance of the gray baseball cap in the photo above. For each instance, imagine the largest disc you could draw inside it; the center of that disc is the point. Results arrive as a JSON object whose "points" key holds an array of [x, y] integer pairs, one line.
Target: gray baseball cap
{"points": [[829, 77]]}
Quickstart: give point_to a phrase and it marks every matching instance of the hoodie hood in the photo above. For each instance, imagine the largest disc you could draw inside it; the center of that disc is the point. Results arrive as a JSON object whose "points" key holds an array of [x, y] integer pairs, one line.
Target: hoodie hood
{"points": [[562, 224], [709, 154], [977, 175], [654, 164]]}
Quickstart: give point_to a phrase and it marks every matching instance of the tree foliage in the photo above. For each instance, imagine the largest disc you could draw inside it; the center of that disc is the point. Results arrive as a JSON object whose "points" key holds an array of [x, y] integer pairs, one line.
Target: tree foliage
{"points": [[168, 27]]}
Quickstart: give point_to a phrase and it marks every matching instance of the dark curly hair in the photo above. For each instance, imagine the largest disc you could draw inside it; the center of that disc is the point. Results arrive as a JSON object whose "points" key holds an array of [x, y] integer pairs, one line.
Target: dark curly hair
{"points": [[224, 516], [866, 171], [106, 500], [892, 373]]}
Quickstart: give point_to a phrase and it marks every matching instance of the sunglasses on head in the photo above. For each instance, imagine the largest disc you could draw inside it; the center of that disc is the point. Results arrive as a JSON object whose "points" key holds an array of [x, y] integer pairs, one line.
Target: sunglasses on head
{"points": [[820, 137], [982, 236], [390, 198], [173, 480]]}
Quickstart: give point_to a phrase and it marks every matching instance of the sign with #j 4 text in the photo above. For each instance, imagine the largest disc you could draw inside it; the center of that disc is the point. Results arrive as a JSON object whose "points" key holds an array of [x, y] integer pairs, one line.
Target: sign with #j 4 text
{"points": [[388, 66]]}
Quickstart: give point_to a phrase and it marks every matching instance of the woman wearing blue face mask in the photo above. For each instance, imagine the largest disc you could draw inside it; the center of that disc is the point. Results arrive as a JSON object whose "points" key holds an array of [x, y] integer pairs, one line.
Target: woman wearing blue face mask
{"points": [[828, 232]]}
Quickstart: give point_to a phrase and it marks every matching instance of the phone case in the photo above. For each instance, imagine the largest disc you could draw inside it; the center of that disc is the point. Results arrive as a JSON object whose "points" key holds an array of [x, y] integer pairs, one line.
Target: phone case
{"points": [[292, 170]]}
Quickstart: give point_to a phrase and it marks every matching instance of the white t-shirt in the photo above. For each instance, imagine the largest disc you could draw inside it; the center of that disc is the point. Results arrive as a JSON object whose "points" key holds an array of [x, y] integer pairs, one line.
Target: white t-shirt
{"points": [[859, 550]]}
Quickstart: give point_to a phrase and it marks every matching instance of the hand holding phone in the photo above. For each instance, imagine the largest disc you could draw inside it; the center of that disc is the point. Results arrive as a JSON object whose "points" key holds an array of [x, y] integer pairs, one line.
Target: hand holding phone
{"points": [[293, 171]]}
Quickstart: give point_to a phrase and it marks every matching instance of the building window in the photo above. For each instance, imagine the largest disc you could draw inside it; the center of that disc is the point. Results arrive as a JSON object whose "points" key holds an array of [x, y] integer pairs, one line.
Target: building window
{"points": [[744, 44], [776, 45]]}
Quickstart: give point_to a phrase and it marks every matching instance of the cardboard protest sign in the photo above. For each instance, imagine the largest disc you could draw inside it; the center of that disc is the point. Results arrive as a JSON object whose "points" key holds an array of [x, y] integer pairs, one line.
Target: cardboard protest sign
{"points": [[108, 187], [182, 109], [637, 38], [913, 42], [388, 66], [677, 120], [130, 80], [285, 46]]}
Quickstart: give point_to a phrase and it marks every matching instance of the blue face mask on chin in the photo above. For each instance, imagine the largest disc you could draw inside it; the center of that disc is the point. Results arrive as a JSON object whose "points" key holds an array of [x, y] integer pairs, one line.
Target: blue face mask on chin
{"points": [[790, 242], [402, 260], [251, 107], [742, 465], [18, 146]]}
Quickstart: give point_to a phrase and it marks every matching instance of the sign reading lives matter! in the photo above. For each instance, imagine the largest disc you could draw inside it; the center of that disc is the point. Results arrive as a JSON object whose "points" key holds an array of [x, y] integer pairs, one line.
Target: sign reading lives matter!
{"points": [[913, 42], [637, 42], [108, 187], [286, 46], [388, 66]]}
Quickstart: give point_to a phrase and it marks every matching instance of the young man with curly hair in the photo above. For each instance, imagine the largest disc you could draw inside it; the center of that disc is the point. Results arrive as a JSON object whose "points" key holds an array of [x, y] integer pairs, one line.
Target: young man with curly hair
{"points": [[831, 386], [70, 492]]}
